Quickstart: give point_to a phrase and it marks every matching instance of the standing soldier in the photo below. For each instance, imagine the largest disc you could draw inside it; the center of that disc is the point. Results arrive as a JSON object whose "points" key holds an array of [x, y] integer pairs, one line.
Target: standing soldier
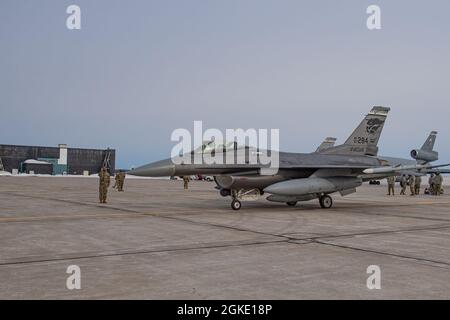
{"points": [[116, 180], [417, 183], [437, 184], [391, 184], [430, 184], [121, 181], [412, 187], [104, 184], [186, 182], [403, 184]]}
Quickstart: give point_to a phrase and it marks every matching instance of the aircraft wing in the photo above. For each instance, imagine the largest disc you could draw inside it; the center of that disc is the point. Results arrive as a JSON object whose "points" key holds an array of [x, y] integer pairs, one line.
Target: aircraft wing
{"points": [[246, 168]]}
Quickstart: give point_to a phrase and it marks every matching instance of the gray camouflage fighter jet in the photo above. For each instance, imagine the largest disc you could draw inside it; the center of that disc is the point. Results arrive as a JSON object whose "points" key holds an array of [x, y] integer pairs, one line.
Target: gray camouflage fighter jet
{"points": [[300, 176]]}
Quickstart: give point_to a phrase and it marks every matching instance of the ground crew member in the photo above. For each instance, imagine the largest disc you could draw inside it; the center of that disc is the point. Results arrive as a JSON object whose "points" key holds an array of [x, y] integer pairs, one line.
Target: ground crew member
{"points": [[403, 184], [437, 184], [430, 184], [121, 181], [104, 184], [417, 182], [391, 184], [116, 179], [412, 187], [186, 182]]}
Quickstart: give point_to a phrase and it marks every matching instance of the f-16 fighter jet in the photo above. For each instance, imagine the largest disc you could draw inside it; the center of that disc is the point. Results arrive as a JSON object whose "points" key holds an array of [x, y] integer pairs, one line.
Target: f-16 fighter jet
{"points": [[300, 176]]}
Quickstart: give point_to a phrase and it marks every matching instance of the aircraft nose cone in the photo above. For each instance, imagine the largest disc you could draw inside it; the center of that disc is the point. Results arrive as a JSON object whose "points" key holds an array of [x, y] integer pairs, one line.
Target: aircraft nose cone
{"points": [[163, 168]]}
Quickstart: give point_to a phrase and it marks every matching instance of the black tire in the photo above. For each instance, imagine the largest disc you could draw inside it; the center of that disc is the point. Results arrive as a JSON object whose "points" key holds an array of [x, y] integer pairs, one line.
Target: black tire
{"points": [[236, 205], [291, 203], [326, 201]]}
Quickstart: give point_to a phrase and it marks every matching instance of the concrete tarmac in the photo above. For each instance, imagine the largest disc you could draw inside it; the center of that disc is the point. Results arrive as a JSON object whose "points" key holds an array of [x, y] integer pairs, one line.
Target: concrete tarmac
{"points": [[158, 241]]}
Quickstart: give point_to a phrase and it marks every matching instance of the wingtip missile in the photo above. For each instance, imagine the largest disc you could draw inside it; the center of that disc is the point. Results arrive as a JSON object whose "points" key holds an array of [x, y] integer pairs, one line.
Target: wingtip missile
{"points": [[393, 169]]}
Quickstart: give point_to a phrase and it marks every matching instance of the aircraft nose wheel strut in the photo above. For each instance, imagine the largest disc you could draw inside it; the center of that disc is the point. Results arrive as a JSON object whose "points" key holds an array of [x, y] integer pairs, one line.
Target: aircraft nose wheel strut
{"points": [[326, 201]]}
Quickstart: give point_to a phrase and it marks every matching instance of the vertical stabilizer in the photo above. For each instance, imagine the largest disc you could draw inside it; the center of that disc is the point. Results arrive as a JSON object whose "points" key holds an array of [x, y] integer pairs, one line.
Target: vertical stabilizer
{"points": [[327, 143], [364, 139], [429, 143]]}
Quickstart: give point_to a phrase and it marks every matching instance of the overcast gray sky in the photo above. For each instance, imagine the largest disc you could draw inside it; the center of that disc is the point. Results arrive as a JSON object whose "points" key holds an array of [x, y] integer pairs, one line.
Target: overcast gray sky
{"points": [[137, 70]]}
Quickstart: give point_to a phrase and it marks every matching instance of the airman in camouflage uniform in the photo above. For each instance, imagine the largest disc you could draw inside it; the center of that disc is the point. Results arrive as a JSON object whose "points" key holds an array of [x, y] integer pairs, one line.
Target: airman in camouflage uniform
{"points": [[417, 183], [186, 182], [120, 181], [403, 184], [391, 184], [412, 187], [104, 184], [437, 184], [430, 184]]}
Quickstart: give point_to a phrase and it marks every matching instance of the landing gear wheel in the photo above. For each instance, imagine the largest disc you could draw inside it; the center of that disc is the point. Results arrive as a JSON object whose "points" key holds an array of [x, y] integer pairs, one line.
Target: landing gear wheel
{"points": [[236, 204], [326, 202], [291, 203]]}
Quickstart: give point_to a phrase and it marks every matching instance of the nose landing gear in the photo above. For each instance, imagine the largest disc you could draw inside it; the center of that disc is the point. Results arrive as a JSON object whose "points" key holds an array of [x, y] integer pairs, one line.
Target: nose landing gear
{"points": [[236, 204], [239, 195]]}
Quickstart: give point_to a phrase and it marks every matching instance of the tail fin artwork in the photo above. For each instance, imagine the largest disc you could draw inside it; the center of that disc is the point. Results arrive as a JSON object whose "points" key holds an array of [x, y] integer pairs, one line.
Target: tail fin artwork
{"points": [[364, 139], [426, 153], [327, 143]]}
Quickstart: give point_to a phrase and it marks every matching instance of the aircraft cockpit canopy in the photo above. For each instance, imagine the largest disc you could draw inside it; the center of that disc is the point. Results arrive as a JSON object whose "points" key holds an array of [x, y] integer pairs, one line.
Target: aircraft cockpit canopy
{"points": [[219, 146]]}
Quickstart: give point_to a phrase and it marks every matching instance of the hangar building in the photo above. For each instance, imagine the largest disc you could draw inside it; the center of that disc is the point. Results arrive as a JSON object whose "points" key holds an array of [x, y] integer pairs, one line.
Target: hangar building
{"points": [[55, 160]]}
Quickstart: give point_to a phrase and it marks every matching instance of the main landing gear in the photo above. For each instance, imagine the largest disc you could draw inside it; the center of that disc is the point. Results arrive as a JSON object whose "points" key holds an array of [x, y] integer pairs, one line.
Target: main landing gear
{"points": [[326, 201]]}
